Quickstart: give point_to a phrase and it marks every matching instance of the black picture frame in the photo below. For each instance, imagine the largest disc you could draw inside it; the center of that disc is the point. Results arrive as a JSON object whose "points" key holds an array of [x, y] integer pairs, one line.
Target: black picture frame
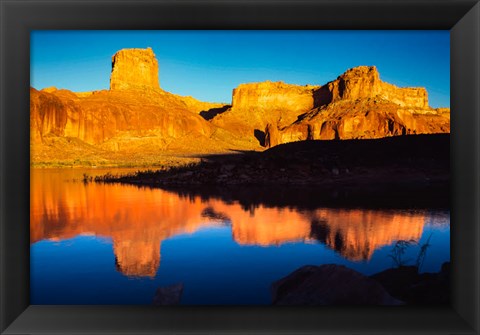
{"points": [[19, 17]]}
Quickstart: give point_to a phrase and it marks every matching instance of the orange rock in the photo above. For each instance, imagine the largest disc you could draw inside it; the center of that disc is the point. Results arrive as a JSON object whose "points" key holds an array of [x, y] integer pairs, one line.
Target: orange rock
{"points": [[364, 82], [105, 115], [364, 119], [136, 114], [198, 106], [255, 105], [358, 105], [134, 69]]}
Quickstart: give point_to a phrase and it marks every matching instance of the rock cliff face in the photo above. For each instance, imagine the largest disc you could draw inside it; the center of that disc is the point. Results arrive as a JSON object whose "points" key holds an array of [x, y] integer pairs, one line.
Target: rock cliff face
{"points": [[273, 95], [362, 119], [358, 105], [134, 118], [112, 114], [364, 82], [257, 104], [136, 114], [134, 69]]}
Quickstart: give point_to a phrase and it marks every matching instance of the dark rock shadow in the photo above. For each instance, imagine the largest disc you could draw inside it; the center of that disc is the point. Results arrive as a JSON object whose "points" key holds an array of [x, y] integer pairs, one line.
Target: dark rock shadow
{"points": [[322, 96], [212, 112], [398, 172], [260, 136]]}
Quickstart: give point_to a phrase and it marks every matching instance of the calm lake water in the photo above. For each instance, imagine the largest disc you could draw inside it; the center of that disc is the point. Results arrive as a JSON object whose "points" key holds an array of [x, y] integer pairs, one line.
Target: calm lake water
{"points": [[116, 244]]}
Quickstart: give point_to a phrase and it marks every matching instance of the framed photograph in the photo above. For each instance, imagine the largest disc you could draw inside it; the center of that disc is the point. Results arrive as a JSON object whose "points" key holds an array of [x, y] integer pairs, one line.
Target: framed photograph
{"points": [[240, 167]]}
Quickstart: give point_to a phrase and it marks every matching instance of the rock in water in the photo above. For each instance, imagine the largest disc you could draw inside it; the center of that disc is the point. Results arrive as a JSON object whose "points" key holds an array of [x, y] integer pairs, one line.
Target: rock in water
{"points": [[329, 284], [168, 295], [407, 284], [134, 69]]}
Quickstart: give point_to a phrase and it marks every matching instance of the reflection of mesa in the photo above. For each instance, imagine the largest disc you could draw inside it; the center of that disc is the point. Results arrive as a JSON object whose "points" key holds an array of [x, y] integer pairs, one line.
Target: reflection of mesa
{"points": [[136, 115], [138, 226]]}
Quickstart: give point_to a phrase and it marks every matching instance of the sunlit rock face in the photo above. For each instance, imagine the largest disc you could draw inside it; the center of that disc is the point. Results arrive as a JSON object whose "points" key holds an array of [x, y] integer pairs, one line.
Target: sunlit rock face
{"points": [[134, 69], [358, 105], [282, 101], [364, 82], [49, 114], [363, 119], [254, 105], [135, 112], [117, 115], [136, 116]]}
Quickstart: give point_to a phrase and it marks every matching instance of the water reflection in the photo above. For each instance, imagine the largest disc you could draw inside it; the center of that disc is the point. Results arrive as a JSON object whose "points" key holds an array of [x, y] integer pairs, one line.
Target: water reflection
{"points": [[137, 220], [356, 234]]}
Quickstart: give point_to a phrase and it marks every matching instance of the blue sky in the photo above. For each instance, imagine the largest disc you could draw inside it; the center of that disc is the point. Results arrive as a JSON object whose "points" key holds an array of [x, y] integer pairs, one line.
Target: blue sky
{"points": [[209, 64]]}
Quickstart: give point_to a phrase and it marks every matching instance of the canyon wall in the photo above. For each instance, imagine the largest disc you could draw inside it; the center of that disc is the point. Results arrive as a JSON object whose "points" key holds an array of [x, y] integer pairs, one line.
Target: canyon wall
{"points": [[368, 118], [272, 95], [254, 105], [136, 113], [358, 105], [112, 114]]}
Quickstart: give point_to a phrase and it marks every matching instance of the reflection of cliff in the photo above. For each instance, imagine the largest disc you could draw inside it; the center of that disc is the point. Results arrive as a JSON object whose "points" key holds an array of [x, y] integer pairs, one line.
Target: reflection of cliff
{"points": [[139, 219], [356, 234], [137, 257], [136, 220]]}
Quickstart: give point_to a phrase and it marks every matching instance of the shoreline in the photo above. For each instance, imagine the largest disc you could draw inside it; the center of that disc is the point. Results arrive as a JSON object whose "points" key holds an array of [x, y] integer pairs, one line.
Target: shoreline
{"points": [[408, 170]]}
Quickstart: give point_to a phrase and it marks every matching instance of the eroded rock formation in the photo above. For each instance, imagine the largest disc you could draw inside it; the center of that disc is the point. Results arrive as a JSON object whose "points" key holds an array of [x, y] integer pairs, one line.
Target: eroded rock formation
{"points": [[364, 82], [130, 123], [135, 69], [255, 105], [136, 115], [99, 117], [358, 105], [363, 119]]}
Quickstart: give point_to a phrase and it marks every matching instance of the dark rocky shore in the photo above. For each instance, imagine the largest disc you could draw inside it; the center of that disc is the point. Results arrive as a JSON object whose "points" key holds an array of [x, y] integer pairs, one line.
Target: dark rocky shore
{"points": [[411, 171], [333, 284]]}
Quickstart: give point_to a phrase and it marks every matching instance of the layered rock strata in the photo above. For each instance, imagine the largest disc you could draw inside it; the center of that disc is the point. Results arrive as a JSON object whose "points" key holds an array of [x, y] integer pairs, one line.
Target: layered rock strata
{"points": [[358, 105], [134, 69], [136, 114]]}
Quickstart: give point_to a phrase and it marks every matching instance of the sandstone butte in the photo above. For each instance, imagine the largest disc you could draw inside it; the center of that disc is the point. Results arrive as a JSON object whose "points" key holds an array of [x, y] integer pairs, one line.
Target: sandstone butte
{"points": [[136, 122]]}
